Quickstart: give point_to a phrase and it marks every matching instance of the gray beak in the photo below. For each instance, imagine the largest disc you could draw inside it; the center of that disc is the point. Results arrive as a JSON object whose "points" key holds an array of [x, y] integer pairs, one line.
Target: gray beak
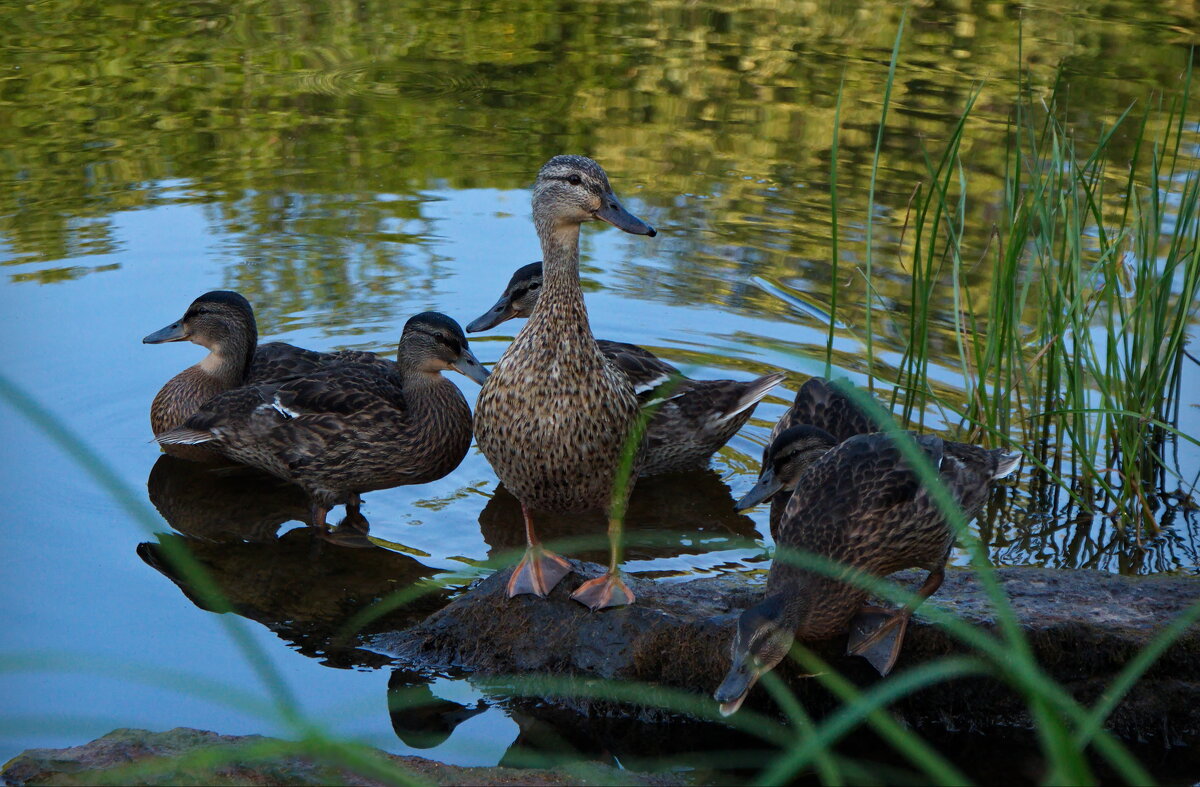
{"points": [[764, 490], [172, 333], [469, 365], [616, 215], [734, 689], [502, 311]]}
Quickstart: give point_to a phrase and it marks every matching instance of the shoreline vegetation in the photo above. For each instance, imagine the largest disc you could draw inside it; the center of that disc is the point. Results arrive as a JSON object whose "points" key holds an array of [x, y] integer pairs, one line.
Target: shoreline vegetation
{"points": [[1073, 356]]}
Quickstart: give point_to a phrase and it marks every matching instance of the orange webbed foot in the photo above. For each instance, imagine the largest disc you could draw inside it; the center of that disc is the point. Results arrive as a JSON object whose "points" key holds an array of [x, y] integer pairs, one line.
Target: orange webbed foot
{"points": [[606, 591], [537, 573]]}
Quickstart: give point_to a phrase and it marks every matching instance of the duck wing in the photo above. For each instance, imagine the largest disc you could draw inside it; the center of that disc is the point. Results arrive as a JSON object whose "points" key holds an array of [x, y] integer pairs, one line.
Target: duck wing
{"points": [[645, 370], [298, 419], [863, 505]]}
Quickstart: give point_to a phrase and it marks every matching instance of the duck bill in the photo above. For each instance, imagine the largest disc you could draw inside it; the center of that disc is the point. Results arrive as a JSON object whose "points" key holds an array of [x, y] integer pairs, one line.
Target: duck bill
{"points": [[172, 333], [615, 214], [763, 491], [735, 688], [469, 365], [503, 310]]}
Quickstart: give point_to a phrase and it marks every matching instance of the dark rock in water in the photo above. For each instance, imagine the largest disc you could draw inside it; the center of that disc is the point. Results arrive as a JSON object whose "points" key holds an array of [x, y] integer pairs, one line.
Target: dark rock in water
{"points": [[1083, 628], [138, 757]]}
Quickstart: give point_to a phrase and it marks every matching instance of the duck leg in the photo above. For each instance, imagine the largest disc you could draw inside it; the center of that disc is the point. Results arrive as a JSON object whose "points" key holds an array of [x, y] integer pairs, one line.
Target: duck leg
{"points": [[539, 570], [608, 590], [877, 633], [316, 514]]}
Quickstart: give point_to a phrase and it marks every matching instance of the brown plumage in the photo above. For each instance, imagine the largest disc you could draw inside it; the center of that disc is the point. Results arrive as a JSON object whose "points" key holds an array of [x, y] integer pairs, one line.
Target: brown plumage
{"points": [[693, 418], [555, 413], [832, 416], [856, 502], [351, 427], [223, 322]]}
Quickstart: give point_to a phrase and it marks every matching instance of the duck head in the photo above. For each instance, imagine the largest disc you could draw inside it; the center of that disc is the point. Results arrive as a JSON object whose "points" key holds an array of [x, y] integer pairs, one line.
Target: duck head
{"points": [[573, 189], [765, 633], [433, 343], [221, 321], [517, 300], [211, 320], [785, 460]]}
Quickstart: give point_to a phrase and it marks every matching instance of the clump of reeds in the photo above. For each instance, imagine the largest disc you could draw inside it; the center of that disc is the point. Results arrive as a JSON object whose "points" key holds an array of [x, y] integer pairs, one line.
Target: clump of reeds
{"points": [[1076, 350]]}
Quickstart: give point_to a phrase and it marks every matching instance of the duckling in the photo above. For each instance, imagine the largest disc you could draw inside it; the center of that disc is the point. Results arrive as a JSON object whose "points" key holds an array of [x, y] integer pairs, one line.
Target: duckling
{"points": [[859, 503], [222, 321], [693, 418], [352, 427], [555, 415]]}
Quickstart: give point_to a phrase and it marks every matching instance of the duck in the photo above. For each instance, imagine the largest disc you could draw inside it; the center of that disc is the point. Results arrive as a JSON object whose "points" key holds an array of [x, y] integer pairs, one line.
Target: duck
{"points": [[832, 415], [223, 322], [556, 415], [350, 427], [690, 420], [857, 502]]}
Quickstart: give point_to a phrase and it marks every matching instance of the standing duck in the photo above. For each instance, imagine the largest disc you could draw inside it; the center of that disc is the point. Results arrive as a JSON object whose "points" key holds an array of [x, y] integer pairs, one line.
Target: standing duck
{"points": [[223, 322], [691, 419], [856, 502], [350, 427], [555, 415]]}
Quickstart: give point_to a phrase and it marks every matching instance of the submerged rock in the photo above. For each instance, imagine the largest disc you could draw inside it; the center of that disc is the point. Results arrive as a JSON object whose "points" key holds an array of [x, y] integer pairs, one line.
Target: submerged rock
{"points": [[1082, 626], [187, 756]]}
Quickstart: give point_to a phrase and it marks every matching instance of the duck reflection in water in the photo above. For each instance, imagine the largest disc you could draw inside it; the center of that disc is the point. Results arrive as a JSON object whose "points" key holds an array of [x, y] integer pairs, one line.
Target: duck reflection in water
{"points": [[298, 585], [420, 719], [235, 503], [668, 516]]}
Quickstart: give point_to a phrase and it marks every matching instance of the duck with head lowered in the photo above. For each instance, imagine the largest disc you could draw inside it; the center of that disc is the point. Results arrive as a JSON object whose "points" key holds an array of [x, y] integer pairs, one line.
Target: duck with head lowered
{"points": [[691, 419], [555, 416], [859, 503], [350, 427], [223, 322]]}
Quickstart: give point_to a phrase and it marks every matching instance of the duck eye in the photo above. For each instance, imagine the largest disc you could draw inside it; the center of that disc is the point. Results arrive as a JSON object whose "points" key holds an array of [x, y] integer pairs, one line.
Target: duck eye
{"points": [[533, 285], [574, 179]]}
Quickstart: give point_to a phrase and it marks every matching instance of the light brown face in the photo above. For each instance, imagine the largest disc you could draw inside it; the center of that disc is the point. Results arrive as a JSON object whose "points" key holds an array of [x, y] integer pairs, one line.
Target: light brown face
{"points": [[517, 300], [212, 320], [574, 189], [524, 296], [436, 343]]}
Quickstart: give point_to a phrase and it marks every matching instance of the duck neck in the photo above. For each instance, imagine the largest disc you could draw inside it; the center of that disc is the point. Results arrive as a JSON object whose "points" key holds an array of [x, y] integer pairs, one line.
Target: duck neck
{"points": [[794, 587], [561, 301], [228, 361]]}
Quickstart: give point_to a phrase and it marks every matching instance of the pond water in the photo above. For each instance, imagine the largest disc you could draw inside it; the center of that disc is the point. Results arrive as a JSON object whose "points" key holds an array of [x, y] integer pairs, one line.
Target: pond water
{"points": [[347, 165]]}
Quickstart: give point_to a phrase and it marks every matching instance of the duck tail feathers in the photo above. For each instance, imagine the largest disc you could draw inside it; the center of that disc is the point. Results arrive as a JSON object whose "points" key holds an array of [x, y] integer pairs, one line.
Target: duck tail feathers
{"points": [[1006, 465], [181, 435], [755, 391]]}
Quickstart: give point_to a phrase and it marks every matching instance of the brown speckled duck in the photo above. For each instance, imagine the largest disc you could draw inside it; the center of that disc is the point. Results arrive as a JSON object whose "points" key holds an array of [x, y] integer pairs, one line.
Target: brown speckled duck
{"points": [[223, 322], [695, 419], [555, 413], [833, 416], [856, 502], [350, 427]]}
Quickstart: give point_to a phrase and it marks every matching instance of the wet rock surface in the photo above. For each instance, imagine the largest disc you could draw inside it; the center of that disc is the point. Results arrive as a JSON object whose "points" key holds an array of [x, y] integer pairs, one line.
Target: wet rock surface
{"points": [[1082, 626], [187, 756]]}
